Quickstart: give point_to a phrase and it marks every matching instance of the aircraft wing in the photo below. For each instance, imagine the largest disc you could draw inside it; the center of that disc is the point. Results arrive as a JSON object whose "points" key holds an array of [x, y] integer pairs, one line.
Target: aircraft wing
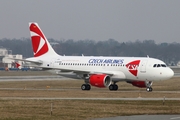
{"points": [[86, 72]]}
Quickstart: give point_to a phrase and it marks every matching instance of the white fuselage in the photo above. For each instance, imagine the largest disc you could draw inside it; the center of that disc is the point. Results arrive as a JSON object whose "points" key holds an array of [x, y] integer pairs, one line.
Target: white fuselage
{"points": [[120, 68]]}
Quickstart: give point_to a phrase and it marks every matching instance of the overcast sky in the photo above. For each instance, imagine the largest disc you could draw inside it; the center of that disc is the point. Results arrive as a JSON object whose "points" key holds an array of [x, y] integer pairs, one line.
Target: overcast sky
{"points": [[122, 20]]}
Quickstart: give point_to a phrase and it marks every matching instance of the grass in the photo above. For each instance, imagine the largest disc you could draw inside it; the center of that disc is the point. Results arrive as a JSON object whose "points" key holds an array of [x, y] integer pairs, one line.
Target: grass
{"points": [[81, 109]]}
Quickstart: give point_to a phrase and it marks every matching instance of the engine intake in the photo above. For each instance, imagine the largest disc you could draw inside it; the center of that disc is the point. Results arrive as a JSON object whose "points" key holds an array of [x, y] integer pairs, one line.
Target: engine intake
{"points": [[101, 80]]}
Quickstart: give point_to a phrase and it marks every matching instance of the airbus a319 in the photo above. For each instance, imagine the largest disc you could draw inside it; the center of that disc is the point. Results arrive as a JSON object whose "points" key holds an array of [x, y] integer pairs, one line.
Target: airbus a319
{"points": [[97, 71]]}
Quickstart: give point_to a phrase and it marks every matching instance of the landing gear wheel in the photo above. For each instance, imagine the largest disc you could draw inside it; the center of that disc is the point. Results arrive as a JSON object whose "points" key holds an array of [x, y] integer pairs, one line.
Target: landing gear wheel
{"points": [[88, 87], [113, 87], [85, 87], [149, 89]]}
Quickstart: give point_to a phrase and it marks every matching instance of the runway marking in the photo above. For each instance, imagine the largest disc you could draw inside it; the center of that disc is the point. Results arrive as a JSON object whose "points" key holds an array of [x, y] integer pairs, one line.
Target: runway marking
{"points": [[175, 118]]}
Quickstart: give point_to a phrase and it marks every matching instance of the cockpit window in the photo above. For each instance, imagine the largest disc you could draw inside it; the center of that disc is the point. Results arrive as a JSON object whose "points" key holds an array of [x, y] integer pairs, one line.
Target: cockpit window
{"points": [[163, 65], [159, 65], [154, 65]]}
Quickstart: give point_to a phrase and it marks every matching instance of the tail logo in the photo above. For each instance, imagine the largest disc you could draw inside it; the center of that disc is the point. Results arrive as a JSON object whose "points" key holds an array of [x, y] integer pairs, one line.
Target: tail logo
{"points": [[40, 46], [17, 65], [133, 67]]}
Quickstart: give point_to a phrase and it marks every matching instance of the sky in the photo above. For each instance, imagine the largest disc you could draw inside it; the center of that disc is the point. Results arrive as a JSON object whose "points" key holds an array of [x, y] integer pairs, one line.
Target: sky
{"points": [[122, 20]]}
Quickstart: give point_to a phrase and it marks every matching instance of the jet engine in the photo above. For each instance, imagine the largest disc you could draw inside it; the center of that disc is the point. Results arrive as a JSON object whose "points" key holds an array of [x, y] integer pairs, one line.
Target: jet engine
{"points": [[100, 80]]}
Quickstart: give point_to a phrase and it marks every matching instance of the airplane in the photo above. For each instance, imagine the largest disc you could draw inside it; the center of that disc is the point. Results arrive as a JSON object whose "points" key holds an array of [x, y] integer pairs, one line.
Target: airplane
{"points": [[98, 71], [18, 66]]}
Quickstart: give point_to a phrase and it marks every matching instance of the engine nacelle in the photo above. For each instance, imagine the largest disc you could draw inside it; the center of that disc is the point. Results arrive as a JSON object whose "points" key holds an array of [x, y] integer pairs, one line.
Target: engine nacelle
{"points": [[141, 84], [101, 80]]}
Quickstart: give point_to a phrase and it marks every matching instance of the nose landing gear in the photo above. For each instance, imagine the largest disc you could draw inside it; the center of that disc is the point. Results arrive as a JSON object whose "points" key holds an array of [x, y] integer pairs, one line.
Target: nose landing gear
{"points": [[149, 88]]}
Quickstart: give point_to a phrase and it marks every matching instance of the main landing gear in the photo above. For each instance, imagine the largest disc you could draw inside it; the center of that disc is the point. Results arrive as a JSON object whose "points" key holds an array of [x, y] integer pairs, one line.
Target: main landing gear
{"points": [[113, 87], [86, 87]]}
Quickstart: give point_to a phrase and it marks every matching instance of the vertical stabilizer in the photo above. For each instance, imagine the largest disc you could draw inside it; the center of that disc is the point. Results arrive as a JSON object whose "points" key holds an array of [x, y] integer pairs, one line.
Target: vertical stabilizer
{"points": [[40, 44]]}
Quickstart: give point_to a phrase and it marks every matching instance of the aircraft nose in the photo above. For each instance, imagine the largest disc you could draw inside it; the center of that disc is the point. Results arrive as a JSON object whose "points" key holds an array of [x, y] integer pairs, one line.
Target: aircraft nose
{"points": [[170, 73]]}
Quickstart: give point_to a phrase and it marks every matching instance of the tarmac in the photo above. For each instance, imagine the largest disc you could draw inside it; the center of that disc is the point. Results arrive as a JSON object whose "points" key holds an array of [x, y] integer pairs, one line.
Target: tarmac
{"points": [[143, 117]]}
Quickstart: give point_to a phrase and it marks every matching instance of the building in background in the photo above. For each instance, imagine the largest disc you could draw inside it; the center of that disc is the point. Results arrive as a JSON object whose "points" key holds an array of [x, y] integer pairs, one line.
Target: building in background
{"points": [[5, 62]]}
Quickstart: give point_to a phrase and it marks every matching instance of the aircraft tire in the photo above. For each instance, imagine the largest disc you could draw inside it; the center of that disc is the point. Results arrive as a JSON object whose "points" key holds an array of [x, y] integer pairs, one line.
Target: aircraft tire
{"points": [[85, 87], [149, 89], [113, 87], [88, 87]]}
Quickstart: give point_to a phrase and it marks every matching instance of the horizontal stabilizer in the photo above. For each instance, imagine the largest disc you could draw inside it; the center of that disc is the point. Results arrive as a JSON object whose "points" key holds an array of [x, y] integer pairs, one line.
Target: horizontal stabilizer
{"points": [[25, 60]]}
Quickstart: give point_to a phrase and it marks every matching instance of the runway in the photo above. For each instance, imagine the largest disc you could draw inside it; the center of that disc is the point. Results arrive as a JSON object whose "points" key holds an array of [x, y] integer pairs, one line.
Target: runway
{"points": [[32, 78], [143, 117]]}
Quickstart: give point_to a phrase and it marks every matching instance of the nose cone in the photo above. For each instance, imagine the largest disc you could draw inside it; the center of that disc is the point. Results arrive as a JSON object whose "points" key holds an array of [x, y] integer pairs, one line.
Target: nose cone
{"points": [[169, 73]]}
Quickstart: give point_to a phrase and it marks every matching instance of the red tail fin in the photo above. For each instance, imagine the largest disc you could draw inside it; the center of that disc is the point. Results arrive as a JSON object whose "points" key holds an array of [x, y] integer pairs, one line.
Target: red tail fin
{"points": [[40, 44], [17, 65]]}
